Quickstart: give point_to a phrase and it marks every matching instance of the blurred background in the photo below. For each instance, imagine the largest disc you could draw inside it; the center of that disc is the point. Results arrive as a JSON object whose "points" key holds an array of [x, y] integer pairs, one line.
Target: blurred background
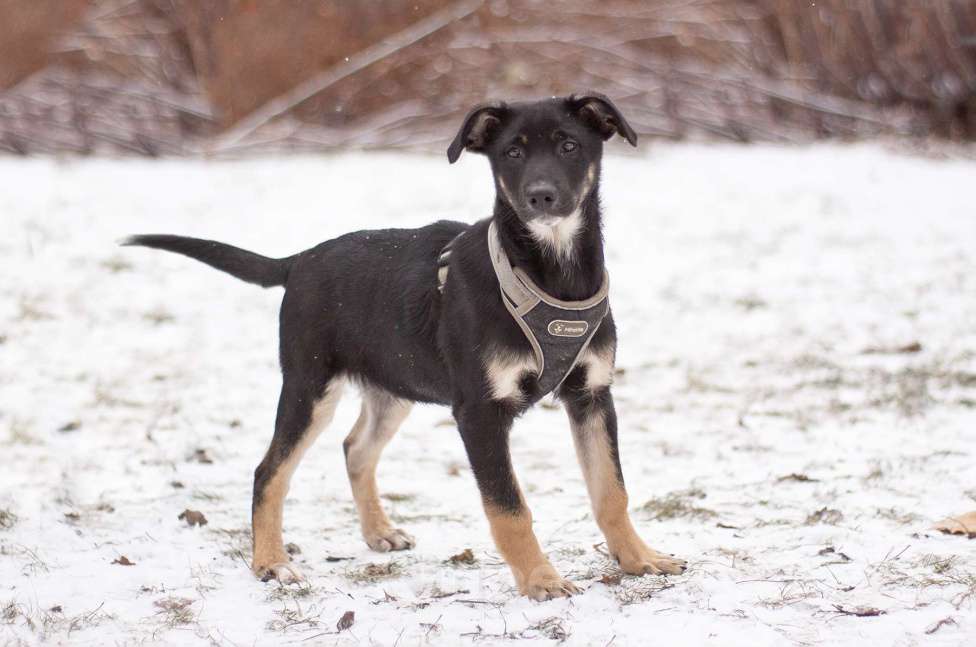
{"points": [[174, 77]]}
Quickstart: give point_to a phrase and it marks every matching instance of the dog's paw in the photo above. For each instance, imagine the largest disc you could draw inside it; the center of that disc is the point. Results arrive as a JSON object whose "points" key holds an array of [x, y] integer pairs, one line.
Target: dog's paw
{"points": [[647, 561], [384, 541], [547, 584], [284, 572]]}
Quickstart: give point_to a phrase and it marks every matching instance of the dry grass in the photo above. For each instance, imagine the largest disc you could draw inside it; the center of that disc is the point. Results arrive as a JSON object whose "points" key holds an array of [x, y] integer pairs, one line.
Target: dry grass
{"points": [[824, 515], [793, 591], [288, 618], [926, 571], [20, 432], [7, 519], [175, 611], [45, 624], [553, 628], [634, 590], [297, 591], [374, 572], [678, 505]]}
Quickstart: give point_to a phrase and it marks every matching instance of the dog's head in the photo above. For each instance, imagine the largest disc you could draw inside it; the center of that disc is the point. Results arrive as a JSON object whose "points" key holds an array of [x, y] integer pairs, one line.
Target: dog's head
{"points": [[545, 155]]}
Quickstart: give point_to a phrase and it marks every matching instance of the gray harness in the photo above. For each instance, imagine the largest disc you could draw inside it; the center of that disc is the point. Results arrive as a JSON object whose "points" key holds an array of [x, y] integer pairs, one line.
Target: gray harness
{"points": [[558, 331]]}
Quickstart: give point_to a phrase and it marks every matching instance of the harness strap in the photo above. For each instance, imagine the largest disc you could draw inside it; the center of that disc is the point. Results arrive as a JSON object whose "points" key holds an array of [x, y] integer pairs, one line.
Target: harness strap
{"points": [[558, 331]]}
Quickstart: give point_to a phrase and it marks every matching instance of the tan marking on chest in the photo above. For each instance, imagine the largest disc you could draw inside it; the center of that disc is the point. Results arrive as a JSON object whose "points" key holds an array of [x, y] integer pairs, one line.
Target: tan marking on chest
{"points": [[504, 374], [599, 367]]}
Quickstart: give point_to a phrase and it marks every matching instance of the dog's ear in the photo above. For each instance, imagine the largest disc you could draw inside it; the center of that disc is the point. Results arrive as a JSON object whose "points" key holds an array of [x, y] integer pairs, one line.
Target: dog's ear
{"points": [[477, 128], [598, 111]]}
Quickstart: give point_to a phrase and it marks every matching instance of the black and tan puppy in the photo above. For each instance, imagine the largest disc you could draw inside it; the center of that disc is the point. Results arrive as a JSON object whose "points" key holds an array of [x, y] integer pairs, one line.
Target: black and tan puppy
{"points": [[377, 309]]}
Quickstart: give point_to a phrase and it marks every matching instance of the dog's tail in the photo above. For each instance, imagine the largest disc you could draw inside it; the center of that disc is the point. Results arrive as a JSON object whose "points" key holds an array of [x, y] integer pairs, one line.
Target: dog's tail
{"points": [[245, 265]]}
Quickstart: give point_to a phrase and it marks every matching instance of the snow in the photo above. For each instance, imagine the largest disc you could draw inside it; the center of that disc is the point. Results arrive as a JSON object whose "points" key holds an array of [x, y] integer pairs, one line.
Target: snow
{"points": [[764, 298]]}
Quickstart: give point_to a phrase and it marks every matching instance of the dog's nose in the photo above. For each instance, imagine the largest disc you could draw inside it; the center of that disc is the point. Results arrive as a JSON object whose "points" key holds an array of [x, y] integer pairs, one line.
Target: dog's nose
{"points": [[541, 196]]}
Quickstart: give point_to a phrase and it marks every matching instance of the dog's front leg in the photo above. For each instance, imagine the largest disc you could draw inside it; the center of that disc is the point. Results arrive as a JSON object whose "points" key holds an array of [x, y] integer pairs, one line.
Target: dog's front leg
{"points": [[594, 423], [484, 428]]}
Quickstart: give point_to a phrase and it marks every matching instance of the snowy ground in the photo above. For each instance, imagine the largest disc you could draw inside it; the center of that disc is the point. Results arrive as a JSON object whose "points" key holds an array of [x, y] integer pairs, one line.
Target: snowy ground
{"points": [[796, 392]]}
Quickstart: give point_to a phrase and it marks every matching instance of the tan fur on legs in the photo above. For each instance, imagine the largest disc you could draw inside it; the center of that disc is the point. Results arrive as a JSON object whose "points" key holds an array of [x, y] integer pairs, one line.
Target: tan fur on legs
{"points": [[609, 500], [270, 558], [380, 417], [534, 575]]}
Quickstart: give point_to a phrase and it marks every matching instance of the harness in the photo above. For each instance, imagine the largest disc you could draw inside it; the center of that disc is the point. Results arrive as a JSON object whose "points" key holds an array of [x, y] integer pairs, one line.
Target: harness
{"points": [[558, 331]]}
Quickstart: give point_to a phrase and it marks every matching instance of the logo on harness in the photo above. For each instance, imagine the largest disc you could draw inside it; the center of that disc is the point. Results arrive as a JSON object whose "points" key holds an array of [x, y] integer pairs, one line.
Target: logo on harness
{"points": [[560, 328]]}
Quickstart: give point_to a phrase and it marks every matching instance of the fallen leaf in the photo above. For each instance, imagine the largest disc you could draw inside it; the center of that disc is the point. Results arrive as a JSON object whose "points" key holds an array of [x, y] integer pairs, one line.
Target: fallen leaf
{"points": [[74, 425], [727, 526], [177, 485], [292, 549], [336, 558], [56, 609], [193, 517], [201, 456], [860, 612], [123, 561], [464, 557], [611, 579], [964, 524], [346, 621]]}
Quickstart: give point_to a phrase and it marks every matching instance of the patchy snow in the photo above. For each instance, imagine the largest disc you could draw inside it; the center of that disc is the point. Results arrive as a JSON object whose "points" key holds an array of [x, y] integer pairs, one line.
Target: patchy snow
{"points": [[776, 428]]}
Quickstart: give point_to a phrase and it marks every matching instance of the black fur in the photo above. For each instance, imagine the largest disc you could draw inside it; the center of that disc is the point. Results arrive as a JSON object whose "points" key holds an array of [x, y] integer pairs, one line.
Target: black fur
{"points": [[245, 265], [366, 304]]}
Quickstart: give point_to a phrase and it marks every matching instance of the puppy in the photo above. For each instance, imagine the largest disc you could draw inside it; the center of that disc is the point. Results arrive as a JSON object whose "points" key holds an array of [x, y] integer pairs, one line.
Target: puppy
{"points": [[485, 318]]}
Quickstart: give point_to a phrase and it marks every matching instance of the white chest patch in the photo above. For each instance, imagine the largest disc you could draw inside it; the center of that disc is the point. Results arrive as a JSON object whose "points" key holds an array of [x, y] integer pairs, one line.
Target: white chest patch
{"points": [[557, 233], [505, 372]]}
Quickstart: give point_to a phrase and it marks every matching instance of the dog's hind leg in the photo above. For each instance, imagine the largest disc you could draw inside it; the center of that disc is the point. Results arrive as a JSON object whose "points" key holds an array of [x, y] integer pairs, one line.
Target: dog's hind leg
{"points": [[380, 417], [303, 412]]}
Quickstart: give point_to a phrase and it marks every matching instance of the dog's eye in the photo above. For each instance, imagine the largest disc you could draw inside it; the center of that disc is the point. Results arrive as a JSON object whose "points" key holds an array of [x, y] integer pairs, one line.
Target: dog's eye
{"points": [[569, 146], [514, 152]]}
